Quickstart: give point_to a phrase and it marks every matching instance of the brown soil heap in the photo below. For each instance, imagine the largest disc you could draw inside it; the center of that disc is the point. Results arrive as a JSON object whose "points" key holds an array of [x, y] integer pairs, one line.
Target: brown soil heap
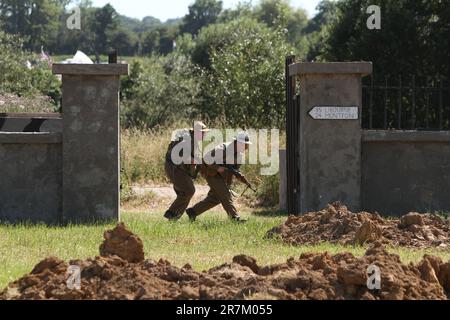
{"points": [[312, 276], [123, 243], [337, 224]]}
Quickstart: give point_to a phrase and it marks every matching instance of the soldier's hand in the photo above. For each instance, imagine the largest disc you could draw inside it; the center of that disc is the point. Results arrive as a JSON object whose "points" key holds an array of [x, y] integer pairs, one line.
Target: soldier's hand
{"points": [[221, 170]]}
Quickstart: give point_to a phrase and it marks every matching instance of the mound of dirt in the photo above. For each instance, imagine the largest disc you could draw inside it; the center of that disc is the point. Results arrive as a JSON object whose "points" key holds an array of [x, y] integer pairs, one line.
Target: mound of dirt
{"points": [[123, 243], [312, 276], [337, 224]]}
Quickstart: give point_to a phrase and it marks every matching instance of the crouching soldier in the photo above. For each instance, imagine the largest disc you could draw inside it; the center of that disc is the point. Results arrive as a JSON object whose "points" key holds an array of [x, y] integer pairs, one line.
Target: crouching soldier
{"points": [[182, 174], [219, 176]]}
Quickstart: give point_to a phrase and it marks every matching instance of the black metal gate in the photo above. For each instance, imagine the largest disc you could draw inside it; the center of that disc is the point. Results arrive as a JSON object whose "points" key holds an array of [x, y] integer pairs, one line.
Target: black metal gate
{"points": [[292, 139]]}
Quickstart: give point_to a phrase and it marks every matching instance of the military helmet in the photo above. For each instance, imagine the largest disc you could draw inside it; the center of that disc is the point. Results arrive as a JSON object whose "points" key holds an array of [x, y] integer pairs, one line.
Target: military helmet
{"points": [[243, 137]]}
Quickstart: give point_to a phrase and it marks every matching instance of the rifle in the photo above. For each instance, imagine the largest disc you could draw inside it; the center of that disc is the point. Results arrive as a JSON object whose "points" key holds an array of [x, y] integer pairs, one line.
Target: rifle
{"points": [[239, 176]]}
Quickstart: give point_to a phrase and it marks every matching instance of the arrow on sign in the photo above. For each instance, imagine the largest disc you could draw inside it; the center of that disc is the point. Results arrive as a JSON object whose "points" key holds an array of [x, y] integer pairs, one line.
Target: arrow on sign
{"points": [[334, 113]]}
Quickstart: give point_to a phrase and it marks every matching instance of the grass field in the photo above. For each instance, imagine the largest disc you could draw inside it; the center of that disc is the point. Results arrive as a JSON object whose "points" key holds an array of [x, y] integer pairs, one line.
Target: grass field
{"points": [[209, 242]]}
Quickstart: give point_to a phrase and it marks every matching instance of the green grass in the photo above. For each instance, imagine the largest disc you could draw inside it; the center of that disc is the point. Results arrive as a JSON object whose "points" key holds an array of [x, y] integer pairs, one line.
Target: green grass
{"points": [[209, 242]]}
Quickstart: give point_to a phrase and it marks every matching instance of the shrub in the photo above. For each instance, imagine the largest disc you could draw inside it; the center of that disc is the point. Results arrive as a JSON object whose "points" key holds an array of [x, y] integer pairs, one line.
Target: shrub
{"points": [[14, 74], [33, 84], [246, 82], [12, 103], [160, 90]]}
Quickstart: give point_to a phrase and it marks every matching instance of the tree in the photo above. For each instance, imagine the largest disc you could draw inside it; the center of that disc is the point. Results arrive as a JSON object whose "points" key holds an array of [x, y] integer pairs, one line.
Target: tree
{"points": [[318, 29], [246, 81], [413, 39], [160, 90], [43, 23], [412, 42], [278, 14], [34, 20], [241, 10], [438, 35], [149, 22], [167, 36], [274, 13], [102, 24], [209, 39], [14, 76], [125, 41], [327, 12], [13, 15], [150, 41], [201, 14]]}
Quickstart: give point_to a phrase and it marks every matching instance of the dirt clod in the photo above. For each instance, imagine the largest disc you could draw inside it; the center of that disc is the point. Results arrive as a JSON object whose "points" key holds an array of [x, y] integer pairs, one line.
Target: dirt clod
{"points": [[247, 261], [123, 243], [337, 224], [51, 263], [411, 219], [368, 232]]}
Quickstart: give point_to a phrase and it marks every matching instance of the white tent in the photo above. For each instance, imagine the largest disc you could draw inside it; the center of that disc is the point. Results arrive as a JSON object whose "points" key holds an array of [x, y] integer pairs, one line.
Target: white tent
{"points": [[79, 58]]}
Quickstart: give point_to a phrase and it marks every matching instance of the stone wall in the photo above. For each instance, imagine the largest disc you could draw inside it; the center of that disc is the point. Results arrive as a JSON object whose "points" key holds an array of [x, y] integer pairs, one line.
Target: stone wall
{"points": [[405, 171], [31, 177], [64, 168]]}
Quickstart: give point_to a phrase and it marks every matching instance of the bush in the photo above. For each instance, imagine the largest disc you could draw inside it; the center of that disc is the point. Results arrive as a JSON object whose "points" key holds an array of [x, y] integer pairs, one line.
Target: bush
{"points": [[246, 82], [232, 71], [160, 90], [14, 74], [30, 83], [47, 84], [12, 103]]}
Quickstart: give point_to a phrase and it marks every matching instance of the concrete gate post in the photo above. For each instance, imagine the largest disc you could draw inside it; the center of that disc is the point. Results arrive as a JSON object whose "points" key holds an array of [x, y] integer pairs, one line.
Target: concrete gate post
{"points": [[91, 131], [330, 133]]}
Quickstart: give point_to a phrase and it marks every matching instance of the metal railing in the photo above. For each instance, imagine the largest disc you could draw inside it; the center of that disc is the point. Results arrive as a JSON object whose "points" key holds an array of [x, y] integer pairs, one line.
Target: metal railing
{"points": [[401, 104]]}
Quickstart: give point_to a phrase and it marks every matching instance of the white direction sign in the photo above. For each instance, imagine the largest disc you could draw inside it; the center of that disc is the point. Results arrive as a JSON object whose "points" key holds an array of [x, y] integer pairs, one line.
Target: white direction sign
{"points": [[334, 113]]}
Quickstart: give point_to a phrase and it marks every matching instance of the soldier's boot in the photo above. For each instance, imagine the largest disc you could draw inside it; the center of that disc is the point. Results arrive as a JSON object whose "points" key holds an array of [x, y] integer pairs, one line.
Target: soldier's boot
{"points": [[171, 216], [239, 220], [191, 214]]}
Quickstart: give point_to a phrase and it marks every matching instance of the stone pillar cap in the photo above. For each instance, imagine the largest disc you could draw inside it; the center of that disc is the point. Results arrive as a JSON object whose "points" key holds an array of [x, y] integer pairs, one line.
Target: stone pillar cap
{"points": [[303, 68], [91, 69]]}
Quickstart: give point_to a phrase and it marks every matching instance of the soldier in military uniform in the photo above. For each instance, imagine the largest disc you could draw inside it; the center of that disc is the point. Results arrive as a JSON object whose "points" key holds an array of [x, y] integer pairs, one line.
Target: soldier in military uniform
{"points": [[183, 174], [220, 178]]}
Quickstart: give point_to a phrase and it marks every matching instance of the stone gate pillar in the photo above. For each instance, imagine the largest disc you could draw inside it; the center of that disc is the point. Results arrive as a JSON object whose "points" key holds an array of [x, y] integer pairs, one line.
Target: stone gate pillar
{"points": [[330, 133], [91, 131]]}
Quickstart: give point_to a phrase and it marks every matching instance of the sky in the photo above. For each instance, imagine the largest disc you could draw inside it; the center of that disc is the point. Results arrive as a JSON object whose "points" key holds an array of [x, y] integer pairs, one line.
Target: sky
{"points": [[168, 9]]}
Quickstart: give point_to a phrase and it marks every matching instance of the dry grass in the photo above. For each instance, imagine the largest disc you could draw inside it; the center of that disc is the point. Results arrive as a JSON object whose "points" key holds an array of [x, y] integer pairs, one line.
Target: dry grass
{"points": [[142, 156]]}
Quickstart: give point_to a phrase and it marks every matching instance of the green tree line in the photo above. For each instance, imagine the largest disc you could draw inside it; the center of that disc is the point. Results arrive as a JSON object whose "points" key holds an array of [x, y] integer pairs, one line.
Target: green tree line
{"points": [[228, 64], [43, 23]]}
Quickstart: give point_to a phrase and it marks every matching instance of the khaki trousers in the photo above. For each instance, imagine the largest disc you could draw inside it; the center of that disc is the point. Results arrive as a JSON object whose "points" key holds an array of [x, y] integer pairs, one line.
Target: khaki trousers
{"points": [[219, 193], [183, 186]]}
